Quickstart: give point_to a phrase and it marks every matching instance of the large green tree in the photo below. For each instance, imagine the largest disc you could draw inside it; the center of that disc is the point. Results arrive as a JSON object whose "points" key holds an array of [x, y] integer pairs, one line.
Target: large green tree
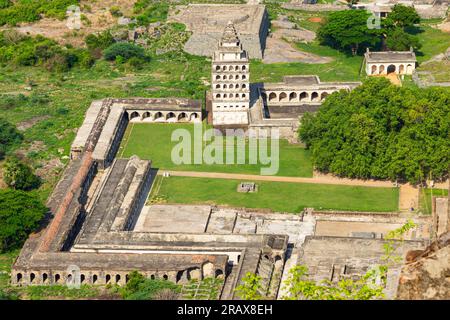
{"points": [[20, 214], [382, 131], [19, 175], [402, 16], [399, 40], [347, 30]]}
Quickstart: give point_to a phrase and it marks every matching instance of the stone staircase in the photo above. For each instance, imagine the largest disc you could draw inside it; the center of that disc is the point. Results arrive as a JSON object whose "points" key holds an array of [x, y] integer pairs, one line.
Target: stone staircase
{"points": [[265, 271]]}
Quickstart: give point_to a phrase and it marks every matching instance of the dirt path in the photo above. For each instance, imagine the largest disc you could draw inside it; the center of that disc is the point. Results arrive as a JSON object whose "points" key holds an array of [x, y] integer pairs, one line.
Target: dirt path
{"points": [[409, 197], [251, 177]]}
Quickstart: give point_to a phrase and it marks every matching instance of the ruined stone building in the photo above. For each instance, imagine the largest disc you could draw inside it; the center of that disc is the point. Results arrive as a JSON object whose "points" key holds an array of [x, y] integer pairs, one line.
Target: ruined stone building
{"points": [[207, 21], [101, 228]]}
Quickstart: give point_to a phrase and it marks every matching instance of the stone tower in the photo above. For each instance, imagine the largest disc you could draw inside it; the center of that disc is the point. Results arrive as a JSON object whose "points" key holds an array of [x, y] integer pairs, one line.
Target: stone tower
{"points": [[230, 80]]}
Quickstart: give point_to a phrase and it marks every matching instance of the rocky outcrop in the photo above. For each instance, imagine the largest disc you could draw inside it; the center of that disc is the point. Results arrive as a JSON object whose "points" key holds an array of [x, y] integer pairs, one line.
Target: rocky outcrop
{"points": [[426, 274]]}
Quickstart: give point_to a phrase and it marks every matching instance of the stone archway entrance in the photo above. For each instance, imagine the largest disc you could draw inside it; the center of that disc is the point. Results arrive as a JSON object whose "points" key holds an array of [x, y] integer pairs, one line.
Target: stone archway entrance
{"points": [[391, 69]]}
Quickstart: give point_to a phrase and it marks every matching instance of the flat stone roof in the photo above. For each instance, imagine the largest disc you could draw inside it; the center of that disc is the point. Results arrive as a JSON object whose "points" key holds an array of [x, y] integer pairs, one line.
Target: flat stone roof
{"points": [[307, 82], [163, 104], [390, 56]]}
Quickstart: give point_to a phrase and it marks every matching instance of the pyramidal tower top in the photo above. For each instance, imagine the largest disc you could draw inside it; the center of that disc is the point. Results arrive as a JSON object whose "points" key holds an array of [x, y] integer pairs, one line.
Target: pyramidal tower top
{"points": [[230, 46]]}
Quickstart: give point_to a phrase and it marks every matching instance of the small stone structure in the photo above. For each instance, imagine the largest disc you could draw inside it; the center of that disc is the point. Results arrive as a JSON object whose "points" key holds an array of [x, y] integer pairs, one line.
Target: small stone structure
{"points": [[426, 9], [207, 21], [385, 62], [304, 89], [230, 85], [246, 187]]}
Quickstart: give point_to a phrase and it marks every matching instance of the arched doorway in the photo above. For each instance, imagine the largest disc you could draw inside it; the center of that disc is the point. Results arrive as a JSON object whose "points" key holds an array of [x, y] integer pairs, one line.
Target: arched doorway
{"points": [[373, 70], [146, 115], [391, 69], [409, 69], [272, 96], [401, 69], [303, 96], [182, 117], [314, 96], [283, 96], [292, 96], [170, 116], [193, 116], [134, 115], [323, 95], [218, 273], [381, 69], [159, 116]]}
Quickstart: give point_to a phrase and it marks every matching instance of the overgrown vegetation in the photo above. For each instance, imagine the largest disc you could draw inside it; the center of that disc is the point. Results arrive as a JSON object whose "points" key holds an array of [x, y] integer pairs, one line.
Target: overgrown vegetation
{"points": [[148, 11], [19, 50], [19, 176], [139, 287], [123, 51], [348, 30], [9, 135], [381, 131], [14, 12], [20, 213]]}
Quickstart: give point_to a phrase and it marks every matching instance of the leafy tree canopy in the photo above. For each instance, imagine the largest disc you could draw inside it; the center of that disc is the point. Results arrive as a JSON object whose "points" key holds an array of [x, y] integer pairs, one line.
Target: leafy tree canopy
{"points": [[20, 214], [124, 50], [18, 175], [250, 287], [399, 40], [402, 16], [347, 30], [382, 131]]}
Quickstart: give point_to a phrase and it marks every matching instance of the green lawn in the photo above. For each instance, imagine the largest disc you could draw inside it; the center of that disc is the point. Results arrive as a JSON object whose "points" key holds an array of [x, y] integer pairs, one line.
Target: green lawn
{"points": [[425, 197], [433, 41], [342, 68], [278, 196], [153, 141]]}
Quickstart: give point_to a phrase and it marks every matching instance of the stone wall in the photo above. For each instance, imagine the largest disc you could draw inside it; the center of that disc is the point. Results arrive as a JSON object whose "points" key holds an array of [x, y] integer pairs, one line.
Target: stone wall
{"points": [[298, 5]]}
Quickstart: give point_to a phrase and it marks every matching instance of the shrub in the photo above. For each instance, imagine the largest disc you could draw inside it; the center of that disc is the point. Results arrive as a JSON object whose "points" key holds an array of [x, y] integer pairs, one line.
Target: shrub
{"points": [[140, 288], [125, 50], [15, 12], [115, 11], [20, 214], [19, 176], [136, 62], [150, 12], [41, 51], [9, 136], [99, 41], [5, 4]]}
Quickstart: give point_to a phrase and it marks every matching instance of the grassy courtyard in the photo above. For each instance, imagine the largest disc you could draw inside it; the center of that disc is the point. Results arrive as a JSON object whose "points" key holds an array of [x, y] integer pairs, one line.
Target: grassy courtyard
{"points": [[277, 196], [425, 198], [153, 141]]}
